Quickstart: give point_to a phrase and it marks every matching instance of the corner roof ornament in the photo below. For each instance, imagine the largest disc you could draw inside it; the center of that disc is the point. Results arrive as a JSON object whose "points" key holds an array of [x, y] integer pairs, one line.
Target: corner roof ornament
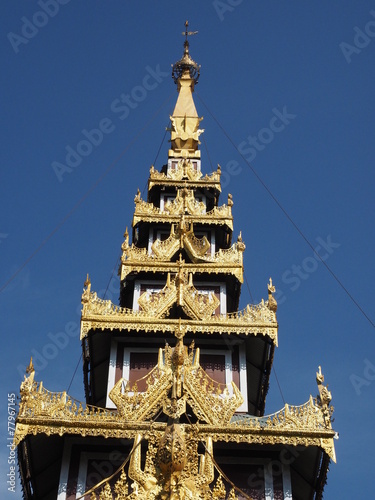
{"points": [[186, 63]]}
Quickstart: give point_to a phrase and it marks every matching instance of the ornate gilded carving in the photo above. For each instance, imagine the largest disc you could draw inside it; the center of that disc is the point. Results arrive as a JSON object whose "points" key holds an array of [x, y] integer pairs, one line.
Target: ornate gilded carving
{"points": [[165, 250], [184, 170], [196, 304], [184, 204], [272, 304], [210, 401], [324, 397], [157, 304], [181, 177], [42, 411], [141, 406], [104, 315], [229, 261]]}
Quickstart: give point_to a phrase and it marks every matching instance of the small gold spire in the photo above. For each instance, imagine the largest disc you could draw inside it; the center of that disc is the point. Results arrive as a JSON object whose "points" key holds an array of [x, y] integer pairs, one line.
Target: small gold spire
{"points": [[30, 368], [184, 120], [272, 303], [125, 245], [87, 282]]}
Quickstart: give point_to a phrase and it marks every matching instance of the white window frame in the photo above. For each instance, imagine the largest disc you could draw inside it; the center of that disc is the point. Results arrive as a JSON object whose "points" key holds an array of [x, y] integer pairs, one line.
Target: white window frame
{"points": [[85, 456], [64, 472], [82, 471], [287, 482]]}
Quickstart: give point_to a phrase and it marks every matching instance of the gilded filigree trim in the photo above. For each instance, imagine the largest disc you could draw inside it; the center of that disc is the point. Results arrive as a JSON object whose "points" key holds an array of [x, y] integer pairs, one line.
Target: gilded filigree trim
{"points": [[184, 204], [50, 413], [180, 290], [185, 172], [104, 315], [177, 378], [229, 261]]}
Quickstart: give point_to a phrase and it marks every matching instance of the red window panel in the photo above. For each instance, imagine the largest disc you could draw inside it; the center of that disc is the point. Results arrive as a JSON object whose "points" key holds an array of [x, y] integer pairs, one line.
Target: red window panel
{"points": [[119, 363], [248, 477], [214, 366], [141, 363]]}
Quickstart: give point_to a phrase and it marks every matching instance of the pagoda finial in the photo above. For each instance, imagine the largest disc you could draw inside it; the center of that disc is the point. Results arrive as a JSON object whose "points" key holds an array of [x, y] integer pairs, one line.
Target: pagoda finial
{"points": [[185, 122], [186, 64]]}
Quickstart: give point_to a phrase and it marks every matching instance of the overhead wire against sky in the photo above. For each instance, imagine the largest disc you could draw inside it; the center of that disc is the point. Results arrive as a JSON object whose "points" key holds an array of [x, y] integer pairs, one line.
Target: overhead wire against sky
{"points": [[208, 154], [300, 232], [83, 198], [250, 294], [162, 141], [119, 257], [74, 374]]}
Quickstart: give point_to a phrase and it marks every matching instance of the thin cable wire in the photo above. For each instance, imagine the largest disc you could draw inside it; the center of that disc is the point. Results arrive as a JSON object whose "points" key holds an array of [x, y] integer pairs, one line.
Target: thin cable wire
{"points": [[208, 154], [248, 287], [251, 295], [277, 380], [74, 374], [113, 272], [355, 302], [116, 265], [88, 192], [162, 142]]}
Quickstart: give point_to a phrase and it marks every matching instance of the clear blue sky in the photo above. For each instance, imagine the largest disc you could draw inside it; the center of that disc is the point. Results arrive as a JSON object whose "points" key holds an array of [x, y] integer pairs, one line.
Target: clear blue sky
{"points": [[311, 61]]}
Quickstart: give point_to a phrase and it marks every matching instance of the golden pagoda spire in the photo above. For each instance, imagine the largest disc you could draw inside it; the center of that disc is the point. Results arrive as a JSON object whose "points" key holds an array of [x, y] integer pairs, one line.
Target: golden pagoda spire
{"points": [[185, 120]]}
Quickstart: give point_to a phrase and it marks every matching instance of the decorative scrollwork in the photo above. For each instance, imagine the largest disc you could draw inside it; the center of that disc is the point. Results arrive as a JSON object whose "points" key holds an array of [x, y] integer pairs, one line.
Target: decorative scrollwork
{"points": [[104, 315], [184, 204], [42, 411], [185, 173]]}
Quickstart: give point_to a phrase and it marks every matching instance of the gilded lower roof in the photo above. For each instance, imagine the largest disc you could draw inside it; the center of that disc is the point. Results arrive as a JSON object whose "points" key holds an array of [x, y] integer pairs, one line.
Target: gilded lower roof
{"points": [[259, 319]]}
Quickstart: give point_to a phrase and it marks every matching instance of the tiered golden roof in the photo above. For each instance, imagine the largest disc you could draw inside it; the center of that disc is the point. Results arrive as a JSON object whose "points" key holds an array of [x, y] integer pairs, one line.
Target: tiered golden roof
{"points": [[229, 261], [185, 205], [173, 468], [99, 314]]}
